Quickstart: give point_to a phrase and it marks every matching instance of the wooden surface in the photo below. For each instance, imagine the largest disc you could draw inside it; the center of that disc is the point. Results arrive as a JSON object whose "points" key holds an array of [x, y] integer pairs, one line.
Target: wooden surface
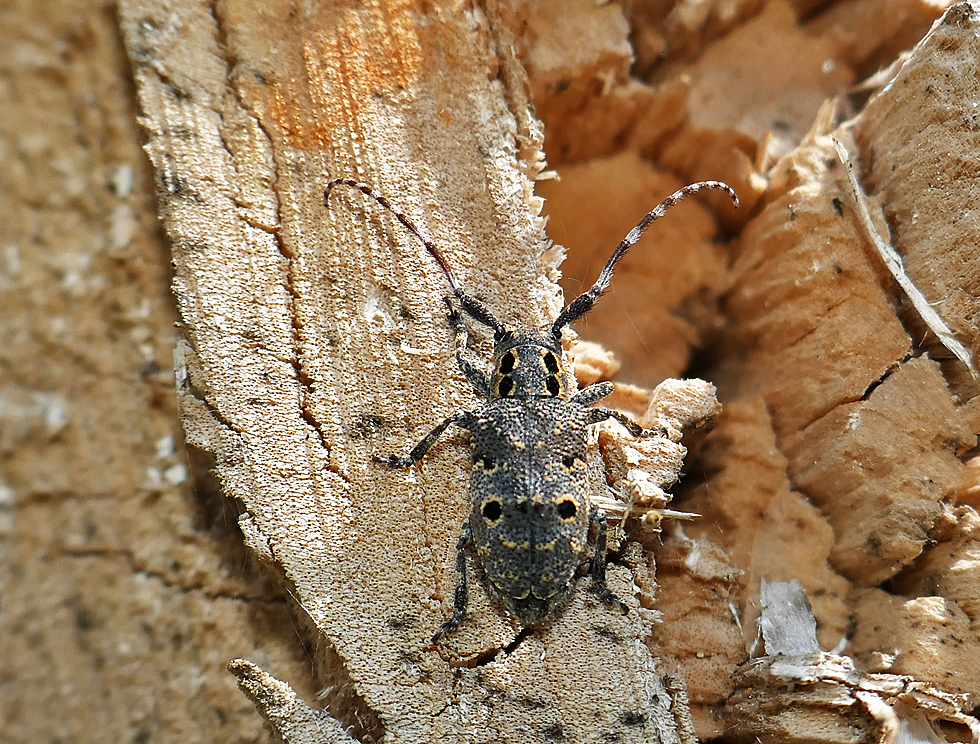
{"points": [[309, 339], [316, 338]]}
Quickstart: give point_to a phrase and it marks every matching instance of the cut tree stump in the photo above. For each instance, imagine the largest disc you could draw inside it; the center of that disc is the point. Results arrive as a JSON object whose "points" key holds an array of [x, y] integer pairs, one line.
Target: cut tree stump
{"points": [[310, 338], [315, 338]]}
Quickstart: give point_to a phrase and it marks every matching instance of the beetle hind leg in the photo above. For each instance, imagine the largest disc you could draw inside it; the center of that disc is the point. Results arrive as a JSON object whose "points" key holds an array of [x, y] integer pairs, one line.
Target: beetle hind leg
{"points": [[597, 569], [459, 598]]}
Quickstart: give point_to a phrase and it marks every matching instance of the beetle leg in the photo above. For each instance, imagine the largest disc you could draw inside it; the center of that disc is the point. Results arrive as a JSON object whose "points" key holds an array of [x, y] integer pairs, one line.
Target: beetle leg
{"points": [[601, 414], [459, 598], [419, 450], [598, 568], [477, 377], [593, 393]]}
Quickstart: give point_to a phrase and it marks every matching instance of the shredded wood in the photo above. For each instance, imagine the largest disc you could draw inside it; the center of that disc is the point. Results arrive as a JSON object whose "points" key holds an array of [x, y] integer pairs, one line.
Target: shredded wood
{"points": [[896, 267]]}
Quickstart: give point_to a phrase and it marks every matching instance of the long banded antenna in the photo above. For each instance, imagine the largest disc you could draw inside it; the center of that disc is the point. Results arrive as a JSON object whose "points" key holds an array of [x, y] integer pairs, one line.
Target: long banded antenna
{"points": [[584, 302], [473, 307]]}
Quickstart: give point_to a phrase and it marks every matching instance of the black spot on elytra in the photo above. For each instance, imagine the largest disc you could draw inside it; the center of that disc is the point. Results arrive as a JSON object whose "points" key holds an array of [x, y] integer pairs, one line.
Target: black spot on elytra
{"points": [[492, 511], [506, 387], [550, 363], [567, 509], [367, 425], [507, 363]]}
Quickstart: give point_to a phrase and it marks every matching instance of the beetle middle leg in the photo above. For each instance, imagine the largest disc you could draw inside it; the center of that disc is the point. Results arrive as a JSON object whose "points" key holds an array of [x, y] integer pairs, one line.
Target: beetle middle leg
{"points": [[597, 415], [592, 394], [598, 391], [419, 450]]}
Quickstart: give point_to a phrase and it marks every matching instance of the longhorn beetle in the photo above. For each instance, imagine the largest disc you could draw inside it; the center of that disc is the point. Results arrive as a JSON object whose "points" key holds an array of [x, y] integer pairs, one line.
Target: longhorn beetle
{"points": [[529, 485]]}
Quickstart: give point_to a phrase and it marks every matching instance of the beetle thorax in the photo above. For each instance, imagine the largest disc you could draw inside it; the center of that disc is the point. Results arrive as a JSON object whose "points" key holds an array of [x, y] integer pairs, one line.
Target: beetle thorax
{"points": [[527, 363]]}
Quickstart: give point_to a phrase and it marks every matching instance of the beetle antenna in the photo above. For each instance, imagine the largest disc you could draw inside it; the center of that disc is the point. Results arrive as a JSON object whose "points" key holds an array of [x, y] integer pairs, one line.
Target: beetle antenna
{"points": [[473, 307], [584, 302]]}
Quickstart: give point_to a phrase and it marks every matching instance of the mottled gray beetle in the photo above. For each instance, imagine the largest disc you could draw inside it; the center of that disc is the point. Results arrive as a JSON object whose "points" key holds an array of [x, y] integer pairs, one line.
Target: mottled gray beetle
{"points": [[529, 484]]}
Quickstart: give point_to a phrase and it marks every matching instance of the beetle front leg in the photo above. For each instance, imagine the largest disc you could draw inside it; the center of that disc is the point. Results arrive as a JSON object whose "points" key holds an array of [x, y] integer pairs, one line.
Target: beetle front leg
{"points": [[597, 570], [477, 377], [419, 450]]}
